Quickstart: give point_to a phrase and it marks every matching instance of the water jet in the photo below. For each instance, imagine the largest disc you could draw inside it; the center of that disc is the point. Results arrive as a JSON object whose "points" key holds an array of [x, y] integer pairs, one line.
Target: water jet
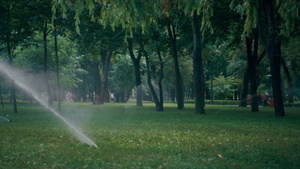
{"points": [[6, 119], [27, 85]]}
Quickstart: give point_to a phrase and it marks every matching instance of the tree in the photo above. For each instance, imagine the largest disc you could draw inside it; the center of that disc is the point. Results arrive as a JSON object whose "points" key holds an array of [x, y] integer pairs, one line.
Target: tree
{"points": [[178, 79], [14, 30], [273, 56], [137, 72], [285, 15], [161, 72], [99, 43], [189, 9], [198, 67], [158, 103], [42, 12], [106, 63], [195, 9], [57, 67], [290, 63], [122, 77]]}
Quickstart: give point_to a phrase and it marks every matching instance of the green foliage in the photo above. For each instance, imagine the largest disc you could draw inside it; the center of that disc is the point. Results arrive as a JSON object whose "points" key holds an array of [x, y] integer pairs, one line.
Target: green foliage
{"points": [[223, 87], [291, 55], [287, 11], [13, 27], [138, 137], [31, 59], [249, 9], [122, 75]]}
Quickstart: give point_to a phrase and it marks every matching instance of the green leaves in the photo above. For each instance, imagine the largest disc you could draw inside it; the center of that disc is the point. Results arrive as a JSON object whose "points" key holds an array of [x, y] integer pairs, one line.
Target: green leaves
{"points": [[223, 87], [289, 12]]}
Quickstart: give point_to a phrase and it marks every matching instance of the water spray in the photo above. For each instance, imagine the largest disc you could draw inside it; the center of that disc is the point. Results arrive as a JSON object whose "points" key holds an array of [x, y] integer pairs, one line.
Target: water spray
{"points": [[18, 78], [5, 119]]}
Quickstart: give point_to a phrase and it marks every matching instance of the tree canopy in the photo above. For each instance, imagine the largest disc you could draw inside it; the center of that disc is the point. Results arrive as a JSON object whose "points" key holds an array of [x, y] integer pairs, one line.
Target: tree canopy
{"points": [[183, 50]]}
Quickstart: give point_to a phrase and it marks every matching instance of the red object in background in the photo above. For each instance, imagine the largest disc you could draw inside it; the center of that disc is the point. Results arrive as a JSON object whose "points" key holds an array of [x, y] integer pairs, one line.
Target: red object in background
{"points": [[272, 102], [267, 96]]}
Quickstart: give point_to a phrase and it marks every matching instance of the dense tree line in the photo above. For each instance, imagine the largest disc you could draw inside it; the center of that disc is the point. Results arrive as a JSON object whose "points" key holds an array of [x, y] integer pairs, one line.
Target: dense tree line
{"points": [[159, 50]]}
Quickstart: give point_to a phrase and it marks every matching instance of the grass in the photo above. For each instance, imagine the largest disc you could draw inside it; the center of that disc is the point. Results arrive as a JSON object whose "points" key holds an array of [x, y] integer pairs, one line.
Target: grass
{"points": [[139, 137]]}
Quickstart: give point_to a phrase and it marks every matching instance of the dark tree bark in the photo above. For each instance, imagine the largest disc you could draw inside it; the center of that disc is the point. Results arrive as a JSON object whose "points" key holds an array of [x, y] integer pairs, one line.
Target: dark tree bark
{"points": [[252, 58], [161, 96], [98, 84], [155, 98], [91, 92], [235, 95], [161, 72], [104, 97], [172, 94], [198, 67], [178, 79], [287, 75], [83, 90], [244, 93], [57, 68], [250, 74], [274, 59], [45, 33], [138, 81]]}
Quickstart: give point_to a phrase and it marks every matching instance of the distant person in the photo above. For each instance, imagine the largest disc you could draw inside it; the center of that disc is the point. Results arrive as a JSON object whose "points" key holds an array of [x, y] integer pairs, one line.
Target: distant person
{"points": [[112, 98]]}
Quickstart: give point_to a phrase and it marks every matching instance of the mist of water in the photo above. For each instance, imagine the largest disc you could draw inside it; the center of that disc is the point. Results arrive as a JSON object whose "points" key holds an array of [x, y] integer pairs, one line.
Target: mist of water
{"points": [[28, 83]]}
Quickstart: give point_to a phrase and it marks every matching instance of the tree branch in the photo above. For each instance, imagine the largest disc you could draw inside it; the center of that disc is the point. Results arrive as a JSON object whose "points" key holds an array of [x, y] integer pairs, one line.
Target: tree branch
{"points": [[261, 57], [48, 32], [259, 27]]}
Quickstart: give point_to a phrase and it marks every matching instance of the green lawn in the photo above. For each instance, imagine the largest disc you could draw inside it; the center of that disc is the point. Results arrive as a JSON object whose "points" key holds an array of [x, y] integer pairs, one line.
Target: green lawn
{"points": [[139, 137]]}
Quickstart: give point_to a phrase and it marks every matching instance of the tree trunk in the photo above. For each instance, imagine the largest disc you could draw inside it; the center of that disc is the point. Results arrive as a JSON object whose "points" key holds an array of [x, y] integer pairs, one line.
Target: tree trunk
{"points": [[97, 84], [211, 84], [252, 58], [156, 101], [287, 75], [45, 33], [172, 94], [91, 94], [137, 72], [161, 73], [104, 97], [57, 68], [9, 50], [235, 95], [83, 90], [153, 93], [178, 79], [274, 60], [197, 67]]}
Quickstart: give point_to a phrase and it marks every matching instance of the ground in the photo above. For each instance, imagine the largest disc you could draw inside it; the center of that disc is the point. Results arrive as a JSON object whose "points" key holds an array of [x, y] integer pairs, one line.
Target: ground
{"points": [[139, 137]]}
